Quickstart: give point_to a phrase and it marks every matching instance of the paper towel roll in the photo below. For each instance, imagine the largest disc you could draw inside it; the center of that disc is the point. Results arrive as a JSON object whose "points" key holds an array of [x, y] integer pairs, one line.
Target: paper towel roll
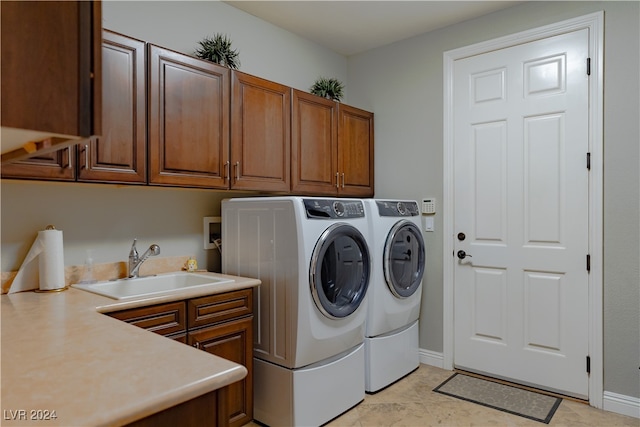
{"points": [[51, 260], [48, 248]]}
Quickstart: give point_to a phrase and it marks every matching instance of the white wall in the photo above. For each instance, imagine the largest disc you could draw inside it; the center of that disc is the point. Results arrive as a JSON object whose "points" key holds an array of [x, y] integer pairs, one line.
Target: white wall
{"points": [[265, 50], [106, 219], [402, 84]]}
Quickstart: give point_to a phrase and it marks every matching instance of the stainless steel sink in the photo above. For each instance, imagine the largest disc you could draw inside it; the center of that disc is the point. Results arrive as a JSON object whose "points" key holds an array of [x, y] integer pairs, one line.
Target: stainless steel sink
{"points": [[160, 284]]}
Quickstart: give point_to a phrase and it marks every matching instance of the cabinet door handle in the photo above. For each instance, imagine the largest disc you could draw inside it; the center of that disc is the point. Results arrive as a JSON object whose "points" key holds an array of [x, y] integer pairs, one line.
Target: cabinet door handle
{"points": [[343, 180], [226, 172], [196, 345], [237, 166], [69, 165], [86, 156], [337, 179]]}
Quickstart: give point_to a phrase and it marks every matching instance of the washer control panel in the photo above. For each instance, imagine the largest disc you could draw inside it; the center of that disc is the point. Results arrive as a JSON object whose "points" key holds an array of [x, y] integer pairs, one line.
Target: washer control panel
{"points": [[333, 209], [397, 208]]}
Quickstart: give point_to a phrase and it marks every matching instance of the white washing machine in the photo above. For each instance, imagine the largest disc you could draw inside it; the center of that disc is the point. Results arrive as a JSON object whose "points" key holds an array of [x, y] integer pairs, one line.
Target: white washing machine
{"points": [[398, 264], [312, 256]]}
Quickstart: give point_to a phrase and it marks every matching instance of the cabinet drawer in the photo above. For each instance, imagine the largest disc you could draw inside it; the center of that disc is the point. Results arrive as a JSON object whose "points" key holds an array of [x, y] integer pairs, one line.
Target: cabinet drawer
{"points": [[163, 319], [219, 308]]}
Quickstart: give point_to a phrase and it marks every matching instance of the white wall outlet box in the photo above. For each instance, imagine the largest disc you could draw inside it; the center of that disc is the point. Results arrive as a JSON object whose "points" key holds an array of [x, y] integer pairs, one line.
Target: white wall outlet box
{"points": [[209, 231]]}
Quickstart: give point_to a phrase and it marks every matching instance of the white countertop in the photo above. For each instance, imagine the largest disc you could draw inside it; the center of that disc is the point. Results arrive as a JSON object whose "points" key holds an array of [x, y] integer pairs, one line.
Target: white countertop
{"points": [[59, 353]]}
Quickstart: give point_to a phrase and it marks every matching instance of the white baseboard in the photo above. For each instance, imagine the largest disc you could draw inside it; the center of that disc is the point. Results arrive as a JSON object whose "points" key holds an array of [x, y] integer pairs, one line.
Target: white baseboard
{"points": [[621, 404], [431, 358], [612, 402]]}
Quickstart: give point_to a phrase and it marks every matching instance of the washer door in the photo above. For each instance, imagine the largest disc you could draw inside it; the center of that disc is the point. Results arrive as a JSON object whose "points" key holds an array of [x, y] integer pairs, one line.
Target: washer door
{"points": [[339, 271], [404, 259]]}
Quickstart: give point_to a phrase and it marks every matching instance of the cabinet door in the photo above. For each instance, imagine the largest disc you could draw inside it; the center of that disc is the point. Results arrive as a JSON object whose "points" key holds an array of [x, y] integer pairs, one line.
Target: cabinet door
{"points": [[233, 341], [188, 120], [51, 66], [260, 134], [355, 151], [56, 166], [314, 144], [119, 154]]}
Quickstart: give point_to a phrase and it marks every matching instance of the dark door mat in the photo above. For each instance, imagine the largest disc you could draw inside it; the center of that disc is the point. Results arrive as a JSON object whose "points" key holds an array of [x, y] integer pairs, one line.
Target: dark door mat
{"points": [[525, 403]]}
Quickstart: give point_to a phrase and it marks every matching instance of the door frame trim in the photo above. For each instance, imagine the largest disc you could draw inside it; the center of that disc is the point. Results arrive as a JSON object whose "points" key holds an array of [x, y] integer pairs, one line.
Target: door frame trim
{"points": [[594, 22]]}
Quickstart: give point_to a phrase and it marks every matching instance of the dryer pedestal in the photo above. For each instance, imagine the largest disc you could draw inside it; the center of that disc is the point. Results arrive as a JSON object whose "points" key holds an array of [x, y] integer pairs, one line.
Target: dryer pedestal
{"points": [[308, 396], [390, 357]]}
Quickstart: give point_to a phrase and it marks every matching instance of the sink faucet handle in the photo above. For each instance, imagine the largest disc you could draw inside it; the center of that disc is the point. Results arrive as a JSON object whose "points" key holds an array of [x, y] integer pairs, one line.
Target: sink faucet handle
{"points": [[133, 253], [133, 259]]}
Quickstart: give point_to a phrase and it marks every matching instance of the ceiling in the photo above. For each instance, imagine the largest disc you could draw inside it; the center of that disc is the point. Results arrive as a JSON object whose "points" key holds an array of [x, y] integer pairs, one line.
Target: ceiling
{"points": [[351, 27]]}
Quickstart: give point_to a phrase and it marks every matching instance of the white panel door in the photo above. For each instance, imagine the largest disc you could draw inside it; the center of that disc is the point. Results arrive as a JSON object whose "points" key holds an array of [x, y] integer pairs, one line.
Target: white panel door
{"points": [[521, 200]]}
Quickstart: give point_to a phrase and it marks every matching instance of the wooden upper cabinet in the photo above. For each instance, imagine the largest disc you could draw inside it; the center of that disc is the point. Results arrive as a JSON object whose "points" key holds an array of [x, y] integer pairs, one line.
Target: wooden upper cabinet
{"points": [[50, 72], [260, 134], [119, 154], [314, 144], [188, 120], [332, 148], [50, 78], [355, 151]]}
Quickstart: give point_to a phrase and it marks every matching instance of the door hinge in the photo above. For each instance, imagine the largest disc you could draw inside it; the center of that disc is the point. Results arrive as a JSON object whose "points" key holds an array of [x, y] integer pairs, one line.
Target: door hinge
{"points": [[588, 364], [588, 262], [588, 161], [588, 66]]}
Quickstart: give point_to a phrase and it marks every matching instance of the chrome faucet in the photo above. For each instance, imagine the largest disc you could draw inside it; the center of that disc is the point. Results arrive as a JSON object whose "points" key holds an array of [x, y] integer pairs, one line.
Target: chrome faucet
{"points": [[135, 261]]}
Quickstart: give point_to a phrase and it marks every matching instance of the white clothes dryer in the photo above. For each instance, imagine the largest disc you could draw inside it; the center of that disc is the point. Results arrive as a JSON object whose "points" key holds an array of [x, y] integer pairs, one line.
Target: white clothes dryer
{"points": [[312, 257], [399, 256]]}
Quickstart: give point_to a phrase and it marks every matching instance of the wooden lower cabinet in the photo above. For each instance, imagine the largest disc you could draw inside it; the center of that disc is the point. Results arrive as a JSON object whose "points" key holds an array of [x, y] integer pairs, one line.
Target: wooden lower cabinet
{"points": [[203, 411], [220, 324], [232, 341]]}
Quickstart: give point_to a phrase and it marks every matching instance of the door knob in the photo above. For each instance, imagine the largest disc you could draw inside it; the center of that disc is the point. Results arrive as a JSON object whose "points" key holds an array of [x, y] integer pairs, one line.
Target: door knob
{"points": [[463, 254]]}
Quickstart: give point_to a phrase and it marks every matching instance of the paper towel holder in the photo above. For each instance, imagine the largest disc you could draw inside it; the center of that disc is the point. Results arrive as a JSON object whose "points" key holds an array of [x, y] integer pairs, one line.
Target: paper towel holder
{"points": [[48, 291]]}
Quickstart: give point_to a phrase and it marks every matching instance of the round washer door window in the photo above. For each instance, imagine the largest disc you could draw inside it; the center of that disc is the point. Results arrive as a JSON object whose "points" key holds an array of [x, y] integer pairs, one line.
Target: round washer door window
{"points": [[339, 271], [404, 259]]}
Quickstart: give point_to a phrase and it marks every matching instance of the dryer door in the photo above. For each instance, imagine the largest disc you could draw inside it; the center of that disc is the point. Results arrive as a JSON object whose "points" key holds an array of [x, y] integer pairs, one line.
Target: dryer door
{"points": [[404, 259], [339, 271]]}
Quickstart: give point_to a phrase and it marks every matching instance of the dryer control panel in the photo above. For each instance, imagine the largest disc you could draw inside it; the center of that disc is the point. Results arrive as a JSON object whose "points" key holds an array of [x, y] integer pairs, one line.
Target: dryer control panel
{"points": [[333, 209], [397, 208]]}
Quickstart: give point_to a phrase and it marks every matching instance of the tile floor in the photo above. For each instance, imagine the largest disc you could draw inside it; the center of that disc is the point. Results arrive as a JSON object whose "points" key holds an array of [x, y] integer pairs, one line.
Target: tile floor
{"points": [[411, 402]]}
